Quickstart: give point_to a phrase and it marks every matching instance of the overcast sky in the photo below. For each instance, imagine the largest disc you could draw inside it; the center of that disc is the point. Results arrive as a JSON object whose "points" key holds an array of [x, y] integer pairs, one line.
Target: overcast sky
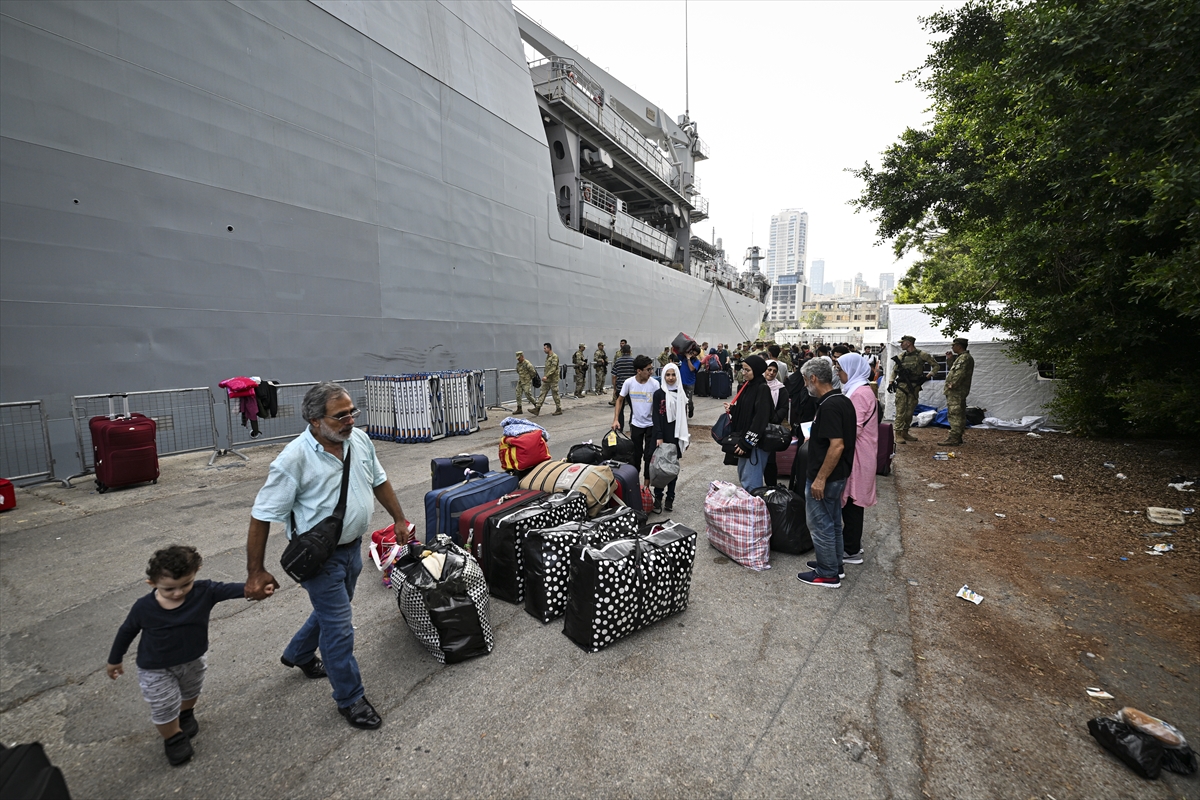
{"points": [[788, 95]]}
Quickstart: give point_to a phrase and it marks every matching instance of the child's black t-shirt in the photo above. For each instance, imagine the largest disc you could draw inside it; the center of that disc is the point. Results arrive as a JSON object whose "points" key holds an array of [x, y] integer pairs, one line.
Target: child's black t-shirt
{"points": [[172, 636]]}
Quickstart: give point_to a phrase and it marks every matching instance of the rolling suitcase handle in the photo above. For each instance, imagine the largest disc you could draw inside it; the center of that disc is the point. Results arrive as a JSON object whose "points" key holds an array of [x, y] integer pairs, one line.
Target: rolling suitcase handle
{"points": [[124, 403]]}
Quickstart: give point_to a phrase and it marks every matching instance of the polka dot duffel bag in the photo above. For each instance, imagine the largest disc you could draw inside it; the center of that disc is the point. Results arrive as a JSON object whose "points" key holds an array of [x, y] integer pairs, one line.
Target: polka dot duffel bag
{"points": [[623, 586], [506, 532], [547, 556], [444, 599]]}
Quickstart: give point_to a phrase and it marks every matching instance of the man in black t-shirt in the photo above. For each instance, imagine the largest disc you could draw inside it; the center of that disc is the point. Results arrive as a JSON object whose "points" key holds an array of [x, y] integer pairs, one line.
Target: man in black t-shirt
{"points": [[830, 456]]}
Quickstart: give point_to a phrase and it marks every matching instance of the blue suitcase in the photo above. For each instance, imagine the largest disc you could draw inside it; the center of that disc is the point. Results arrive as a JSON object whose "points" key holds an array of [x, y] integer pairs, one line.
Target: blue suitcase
{"points": [[449, 471], [719, 385], [444, 506]]}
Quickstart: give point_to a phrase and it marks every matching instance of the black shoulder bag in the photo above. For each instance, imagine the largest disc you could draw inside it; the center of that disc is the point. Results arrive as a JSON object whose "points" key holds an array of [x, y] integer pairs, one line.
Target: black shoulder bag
{"points": [[307, 552]]}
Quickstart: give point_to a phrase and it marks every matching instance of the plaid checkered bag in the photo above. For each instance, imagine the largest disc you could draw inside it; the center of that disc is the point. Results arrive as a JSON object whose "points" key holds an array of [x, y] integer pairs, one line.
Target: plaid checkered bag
{"points": [[738, 524]]}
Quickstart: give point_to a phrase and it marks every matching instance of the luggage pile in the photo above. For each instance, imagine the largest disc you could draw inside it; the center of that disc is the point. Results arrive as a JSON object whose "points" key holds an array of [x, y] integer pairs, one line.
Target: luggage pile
{"points": [[557, 541]]}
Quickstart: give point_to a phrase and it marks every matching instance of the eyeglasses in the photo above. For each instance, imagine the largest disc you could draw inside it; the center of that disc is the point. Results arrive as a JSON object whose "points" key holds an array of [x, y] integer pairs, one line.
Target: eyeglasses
{"points": [[345, 415]]}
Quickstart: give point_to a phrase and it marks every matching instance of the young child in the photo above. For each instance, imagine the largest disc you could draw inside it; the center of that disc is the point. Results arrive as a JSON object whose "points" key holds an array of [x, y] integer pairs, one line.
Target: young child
{"points": [[171, 660]]}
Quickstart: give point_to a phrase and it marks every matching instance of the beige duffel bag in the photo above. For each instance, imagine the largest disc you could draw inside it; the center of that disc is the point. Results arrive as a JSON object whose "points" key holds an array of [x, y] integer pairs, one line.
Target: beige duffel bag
{"points": [[594, 482]]}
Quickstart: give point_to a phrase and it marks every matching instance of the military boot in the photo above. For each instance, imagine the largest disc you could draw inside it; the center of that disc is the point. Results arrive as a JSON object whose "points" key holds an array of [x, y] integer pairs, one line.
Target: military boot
{"points": [[951, 439], [519, 410], [557, 412], [908, 437], [537, 410]]}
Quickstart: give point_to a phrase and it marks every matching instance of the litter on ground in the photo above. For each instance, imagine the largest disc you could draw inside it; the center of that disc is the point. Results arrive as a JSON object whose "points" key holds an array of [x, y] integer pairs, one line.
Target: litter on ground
{"points": [[1001, 516], [1098, 693], [966, 594], [1121, 476], [1165, 516], [1058, 477], [1182, 487]]}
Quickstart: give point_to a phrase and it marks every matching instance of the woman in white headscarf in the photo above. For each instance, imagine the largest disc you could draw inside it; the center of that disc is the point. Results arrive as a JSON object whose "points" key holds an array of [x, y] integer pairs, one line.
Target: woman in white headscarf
{"points": [[855, 372], [669, 409]]}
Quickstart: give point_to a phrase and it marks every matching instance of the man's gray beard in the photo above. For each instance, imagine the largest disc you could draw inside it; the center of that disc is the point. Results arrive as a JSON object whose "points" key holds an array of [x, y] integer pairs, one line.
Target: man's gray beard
{"points": [[334, 435]]}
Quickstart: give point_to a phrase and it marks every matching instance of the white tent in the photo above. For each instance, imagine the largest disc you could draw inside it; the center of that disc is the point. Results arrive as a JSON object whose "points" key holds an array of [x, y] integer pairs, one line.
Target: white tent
{"points": [[1006, 389]]}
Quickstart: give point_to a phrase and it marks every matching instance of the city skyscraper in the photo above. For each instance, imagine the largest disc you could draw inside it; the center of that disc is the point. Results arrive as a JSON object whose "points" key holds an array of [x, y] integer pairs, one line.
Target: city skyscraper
{"points": [[816, 275], [788, 244], [887, 281]]}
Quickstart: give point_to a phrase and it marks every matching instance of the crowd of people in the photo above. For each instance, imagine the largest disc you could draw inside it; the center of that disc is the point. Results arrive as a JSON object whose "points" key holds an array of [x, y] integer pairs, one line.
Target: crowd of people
{"points": [[824, 396]]}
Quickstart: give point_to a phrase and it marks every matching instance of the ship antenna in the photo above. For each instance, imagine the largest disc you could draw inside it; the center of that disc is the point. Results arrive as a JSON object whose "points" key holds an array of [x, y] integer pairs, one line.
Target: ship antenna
{"points": [[686, 101]]}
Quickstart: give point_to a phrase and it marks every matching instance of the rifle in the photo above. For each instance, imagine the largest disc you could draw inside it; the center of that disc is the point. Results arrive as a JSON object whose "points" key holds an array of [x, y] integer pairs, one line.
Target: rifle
{"points": [[906, 379]]}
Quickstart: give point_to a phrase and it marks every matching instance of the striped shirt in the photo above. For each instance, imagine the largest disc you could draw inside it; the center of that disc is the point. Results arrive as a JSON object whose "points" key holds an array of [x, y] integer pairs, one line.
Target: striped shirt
{"points": [[623, 370]]}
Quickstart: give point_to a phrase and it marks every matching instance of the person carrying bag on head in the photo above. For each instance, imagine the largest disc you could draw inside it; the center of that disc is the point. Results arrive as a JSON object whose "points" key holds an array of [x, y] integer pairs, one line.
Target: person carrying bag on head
{"points": [[749, 414]]}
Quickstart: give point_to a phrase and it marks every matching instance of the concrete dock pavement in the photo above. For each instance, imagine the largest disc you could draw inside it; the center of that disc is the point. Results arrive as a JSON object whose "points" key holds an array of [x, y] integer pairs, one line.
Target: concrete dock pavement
{"points": [[763, 688]]}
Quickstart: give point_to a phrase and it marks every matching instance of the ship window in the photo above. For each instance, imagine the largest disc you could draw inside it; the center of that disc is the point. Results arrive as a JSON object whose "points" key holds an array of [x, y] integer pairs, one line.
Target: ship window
{"points": [[559, 153]]}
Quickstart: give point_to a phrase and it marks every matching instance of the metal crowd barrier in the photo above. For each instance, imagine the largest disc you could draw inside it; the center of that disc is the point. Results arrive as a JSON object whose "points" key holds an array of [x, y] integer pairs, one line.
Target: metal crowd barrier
{"points": [[185, 419], [405, 408], [463, 397], [289, 421], [25, 442]]}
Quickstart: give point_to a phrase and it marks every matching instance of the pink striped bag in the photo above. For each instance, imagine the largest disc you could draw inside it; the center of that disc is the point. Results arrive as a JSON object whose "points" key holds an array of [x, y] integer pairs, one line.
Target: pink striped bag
{"points": [[739, 524]]}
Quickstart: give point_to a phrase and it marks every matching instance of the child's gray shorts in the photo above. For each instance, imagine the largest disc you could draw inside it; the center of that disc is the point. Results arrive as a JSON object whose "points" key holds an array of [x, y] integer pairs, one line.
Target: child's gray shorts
{"points": [[166, 689]]}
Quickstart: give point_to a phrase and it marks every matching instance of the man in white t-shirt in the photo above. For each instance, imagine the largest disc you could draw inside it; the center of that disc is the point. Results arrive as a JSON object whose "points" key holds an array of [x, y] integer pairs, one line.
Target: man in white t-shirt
{"points": [[638, 392]]}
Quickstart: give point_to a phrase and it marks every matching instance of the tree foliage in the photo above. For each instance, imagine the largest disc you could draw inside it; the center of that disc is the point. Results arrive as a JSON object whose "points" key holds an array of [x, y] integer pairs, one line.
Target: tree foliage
{"points": [[1061, 175]]}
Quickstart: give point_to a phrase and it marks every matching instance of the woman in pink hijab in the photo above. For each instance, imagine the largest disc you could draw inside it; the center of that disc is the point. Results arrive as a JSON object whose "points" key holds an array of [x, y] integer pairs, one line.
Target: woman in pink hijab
{"points": [[855, 372]]}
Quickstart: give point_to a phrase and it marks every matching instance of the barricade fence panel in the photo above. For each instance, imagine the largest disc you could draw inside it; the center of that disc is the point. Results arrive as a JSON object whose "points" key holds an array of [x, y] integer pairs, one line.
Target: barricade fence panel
{"points": [[185, 419], [288, 421], [405, 408], [25, 442]]}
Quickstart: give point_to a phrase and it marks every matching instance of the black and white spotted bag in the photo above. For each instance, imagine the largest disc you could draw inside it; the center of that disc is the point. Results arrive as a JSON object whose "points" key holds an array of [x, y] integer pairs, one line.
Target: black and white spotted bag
{"points": [[547, 555], [625, 585], [449, 614], [508, 531]]}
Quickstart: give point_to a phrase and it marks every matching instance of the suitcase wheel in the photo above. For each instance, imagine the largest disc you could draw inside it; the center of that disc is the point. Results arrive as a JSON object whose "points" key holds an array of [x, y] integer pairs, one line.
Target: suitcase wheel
{"points": [[155, 481], [100, 487]]}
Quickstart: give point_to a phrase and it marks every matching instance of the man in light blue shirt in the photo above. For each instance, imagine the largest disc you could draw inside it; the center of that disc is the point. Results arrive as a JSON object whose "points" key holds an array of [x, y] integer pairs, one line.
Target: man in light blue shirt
{"points": [[302, 488]]}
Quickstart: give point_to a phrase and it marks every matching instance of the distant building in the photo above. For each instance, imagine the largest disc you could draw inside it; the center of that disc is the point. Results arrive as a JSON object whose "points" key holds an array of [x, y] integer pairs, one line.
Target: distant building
{"points": [[827, 287], [788, 245], [843, 288], [887, 282], [816, 276], [787, 293], [845, 312]]}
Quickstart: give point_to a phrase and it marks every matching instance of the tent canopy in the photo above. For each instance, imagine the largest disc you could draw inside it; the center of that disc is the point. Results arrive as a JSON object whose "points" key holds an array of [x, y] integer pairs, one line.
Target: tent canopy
{"points": [[1007, 389]]}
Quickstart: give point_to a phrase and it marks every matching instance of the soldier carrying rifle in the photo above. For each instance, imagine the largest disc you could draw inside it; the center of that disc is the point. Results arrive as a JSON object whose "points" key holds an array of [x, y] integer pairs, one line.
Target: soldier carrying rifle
{"points": [[908, 374]]}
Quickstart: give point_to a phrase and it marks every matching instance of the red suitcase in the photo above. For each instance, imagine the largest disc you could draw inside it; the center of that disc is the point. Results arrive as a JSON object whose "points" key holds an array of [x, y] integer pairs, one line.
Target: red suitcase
{"points": [[474, 521], [8, 495], [784, 459], [123, 449], [887, 449]]}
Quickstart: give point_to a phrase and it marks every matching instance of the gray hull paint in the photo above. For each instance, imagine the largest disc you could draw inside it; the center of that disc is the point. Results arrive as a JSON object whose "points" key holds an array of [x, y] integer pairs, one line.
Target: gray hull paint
{"points": [[383, 169]]}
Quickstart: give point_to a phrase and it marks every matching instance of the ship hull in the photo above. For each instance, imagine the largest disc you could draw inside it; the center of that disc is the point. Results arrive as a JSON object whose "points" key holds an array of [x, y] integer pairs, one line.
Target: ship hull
{"points": [[193, 191]]}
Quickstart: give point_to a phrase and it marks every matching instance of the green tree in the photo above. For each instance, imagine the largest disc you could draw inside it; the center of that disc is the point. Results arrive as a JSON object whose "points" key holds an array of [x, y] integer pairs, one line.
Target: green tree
{"points": [[1061, 175], [812, 319]]}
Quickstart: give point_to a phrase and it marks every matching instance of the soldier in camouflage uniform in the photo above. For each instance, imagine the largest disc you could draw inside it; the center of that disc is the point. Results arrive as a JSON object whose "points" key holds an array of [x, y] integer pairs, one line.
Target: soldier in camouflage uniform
{"points": [[907, 377], [664, 357], [579, 361], [549, 381], [525, 375], [600, 365], [958, 386]]}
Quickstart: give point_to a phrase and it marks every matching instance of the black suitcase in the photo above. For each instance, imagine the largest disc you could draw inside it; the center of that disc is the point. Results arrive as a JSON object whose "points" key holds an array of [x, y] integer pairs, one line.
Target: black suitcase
{"points": [[719, 385], [702, 383], [26, 774], [449, 471]]}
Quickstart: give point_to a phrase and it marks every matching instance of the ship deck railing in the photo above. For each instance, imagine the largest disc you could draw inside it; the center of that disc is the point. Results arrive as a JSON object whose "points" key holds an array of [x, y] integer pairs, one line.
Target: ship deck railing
{"points": [[568, 83], [601, 212]]}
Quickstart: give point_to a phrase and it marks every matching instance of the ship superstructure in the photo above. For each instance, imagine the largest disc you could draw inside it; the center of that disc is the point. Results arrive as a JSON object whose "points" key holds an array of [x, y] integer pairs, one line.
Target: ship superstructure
{"points": [[305, 190]]}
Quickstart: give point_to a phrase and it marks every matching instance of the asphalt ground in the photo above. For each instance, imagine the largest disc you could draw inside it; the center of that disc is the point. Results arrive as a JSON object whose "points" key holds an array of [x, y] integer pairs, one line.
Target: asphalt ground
{"points": [[763, 687]]}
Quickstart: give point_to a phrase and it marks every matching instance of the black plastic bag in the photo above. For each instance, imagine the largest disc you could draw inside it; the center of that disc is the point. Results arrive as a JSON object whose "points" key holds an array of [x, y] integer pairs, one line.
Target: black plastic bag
{"points": [[448, 614], [789, 526], [585, 453], [1141, 752]]}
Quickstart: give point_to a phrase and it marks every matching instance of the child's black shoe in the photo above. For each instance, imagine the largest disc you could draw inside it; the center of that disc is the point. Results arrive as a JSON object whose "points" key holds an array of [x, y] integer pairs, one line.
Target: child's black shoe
{"points": [[179, 749], [188, 724]]}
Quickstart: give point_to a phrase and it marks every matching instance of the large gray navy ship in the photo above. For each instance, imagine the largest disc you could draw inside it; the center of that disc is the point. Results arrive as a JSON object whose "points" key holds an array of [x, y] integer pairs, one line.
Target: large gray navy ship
{"points": [[197, 190]]}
